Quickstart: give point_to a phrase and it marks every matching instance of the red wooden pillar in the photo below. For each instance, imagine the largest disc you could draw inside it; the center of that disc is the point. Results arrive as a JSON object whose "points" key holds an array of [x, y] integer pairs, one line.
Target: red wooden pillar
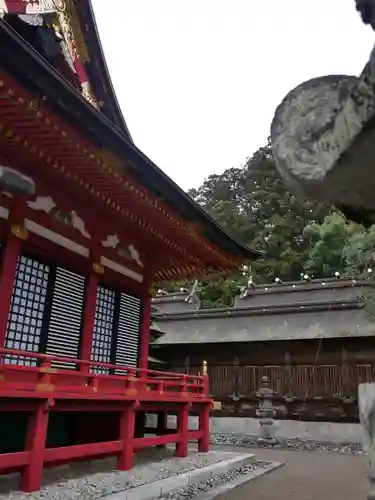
{"points": [[161, 425], [91, 291], [182, 430], [144, 332], [204, 427], [88, 320], [31, 475], [10, 256], [127, 428]]}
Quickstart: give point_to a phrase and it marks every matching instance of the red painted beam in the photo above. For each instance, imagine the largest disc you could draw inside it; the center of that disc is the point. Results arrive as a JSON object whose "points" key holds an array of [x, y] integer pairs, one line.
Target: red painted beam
{"points": [[9, 405], [155, 441], [144, 332], [14, 460], [147, 442], [82, 450], [7, 275]]}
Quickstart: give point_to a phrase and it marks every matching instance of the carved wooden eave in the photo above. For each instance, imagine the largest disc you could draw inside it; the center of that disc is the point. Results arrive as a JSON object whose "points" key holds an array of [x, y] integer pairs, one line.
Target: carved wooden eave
{"points": [[77, 34], [67, 29], [46, 120]]}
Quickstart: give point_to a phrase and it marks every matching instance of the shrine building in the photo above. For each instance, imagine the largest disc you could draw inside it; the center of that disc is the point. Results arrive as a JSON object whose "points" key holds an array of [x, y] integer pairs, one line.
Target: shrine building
{"points": [[88, 225]]}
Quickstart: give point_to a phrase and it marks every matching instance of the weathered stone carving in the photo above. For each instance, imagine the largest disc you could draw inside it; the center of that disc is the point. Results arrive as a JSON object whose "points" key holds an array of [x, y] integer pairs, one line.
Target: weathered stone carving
{"points": [[366, 398], [323, 137]]}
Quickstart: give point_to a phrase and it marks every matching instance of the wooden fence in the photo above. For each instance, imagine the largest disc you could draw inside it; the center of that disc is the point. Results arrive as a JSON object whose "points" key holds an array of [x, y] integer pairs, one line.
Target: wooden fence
{"points": [[300, 381]]}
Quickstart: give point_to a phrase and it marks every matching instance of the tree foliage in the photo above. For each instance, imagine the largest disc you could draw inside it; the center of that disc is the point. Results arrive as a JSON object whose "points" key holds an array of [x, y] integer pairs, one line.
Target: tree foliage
{"points": [[340, 245], [253, 203], [296, 235]]}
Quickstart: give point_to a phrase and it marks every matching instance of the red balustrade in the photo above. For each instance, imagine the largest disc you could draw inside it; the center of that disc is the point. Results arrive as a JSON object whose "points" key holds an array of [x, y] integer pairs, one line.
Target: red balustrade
{"points": [[92, 382], [41, 389]]}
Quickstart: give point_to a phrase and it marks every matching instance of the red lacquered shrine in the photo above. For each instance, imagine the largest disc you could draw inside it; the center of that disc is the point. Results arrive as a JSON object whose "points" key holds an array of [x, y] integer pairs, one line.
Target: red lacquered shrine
{"points": [[79, 258]]}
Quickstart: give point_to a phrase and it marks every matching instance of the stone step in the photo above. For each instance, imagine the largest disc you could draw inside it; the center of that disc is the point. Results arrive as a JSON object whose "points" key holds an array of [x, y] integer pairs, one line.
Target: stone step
{"points": [[155, 489]]}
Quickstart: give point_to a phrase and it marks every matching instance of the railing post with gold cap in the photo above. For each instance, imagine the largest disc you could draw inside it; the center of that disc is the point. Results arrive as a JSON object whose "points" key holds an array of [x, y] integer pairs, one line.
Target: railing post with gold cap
{"points": [[204, 415], [205, 378]]}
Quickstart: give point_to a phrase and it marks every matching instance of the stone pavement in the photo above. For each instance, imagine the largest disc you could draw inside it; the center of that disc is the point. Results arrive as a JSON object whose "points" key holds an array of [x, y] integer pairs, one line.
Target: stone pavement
{"points": [[305, 476]]}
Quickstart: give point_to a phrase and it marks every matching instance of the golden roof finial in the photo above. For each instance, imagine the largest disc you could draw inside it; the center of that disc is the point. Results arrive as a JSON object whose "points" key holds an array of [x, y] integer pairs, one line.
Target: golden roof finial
{"points": [[204, 367]]}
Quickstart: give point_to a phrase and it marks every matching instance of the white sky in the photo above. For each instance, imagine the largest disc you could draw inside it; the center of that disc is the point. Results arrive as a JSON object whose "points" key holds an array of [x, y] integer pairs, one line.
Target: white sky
{"points": [[198, 80]]}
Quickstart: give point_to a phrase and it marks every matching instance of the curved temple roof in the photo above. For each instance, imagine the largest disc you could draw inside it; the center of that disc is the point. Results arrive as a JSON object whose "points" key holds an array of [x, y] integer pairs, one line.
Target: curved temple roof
{"points": [[110, 132], [98, 71], [330, 308]]}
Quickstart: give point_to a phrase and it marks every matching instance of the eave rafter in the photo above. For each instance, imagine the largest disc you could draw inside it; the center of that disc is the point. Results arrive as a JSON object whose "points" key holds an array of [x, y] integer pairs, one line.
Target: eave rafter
{"points": [[113, 187]]}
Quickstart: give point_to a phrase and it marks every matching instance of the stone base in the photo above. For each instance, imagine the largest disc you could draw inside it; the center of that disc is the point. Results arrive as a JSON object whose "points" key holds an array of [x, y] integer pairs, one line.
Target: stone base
{"points": [[152, 490], [267, 441]]}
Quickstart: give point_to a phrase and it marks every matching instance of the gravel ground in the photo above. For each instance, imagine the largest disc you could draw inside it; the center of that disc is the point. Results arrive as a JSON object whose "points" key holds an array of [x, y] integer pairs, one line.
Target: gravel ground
{"points": [[86, 485], [305, 476], [194, 490], [290, 444]]}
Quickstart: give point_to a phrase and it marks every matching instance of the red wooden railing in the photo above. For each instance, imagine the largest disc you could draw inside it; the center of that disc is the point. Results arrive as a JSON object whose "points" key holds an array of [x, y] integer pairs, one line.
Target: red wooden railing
{"points": [[42, 389], [86, 380]]}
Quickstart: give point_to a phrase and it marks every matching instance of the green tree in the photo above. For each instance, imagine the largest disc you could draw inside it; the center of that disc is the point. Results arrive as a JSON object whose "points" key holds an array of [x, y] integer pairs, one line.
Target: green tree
{"points": [[256, 206], [359, 254], [253, 203], [328, 243], [339, 245]]}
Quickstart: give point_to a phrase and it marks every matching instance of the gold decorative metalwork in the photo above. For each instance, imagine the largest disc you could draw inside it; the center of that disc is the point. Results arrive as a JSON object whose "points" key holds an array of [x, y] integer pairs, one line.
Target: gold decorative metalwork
{"points": [[88, 94], [131, 392], [68, 26], [217, 405], [107, 160], [98, 268], [9, 133], [204, 368], [76, 29], [45, 387], [34, 105], [19, 231], [47, 369]]}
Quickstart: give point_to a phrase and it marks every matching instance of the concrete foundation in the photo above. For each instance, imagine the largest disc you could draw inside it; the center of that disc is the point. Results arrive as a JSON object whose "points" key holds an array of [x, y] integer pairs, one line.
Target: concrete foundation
{"points": [[283, 429]]}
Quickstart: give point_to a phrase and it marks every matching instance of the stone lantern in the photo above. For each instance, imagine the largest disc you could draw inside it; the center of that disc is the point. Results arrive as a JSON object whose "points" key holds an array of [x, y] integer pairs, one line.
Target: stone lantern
{"points": [[266, 413]]}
